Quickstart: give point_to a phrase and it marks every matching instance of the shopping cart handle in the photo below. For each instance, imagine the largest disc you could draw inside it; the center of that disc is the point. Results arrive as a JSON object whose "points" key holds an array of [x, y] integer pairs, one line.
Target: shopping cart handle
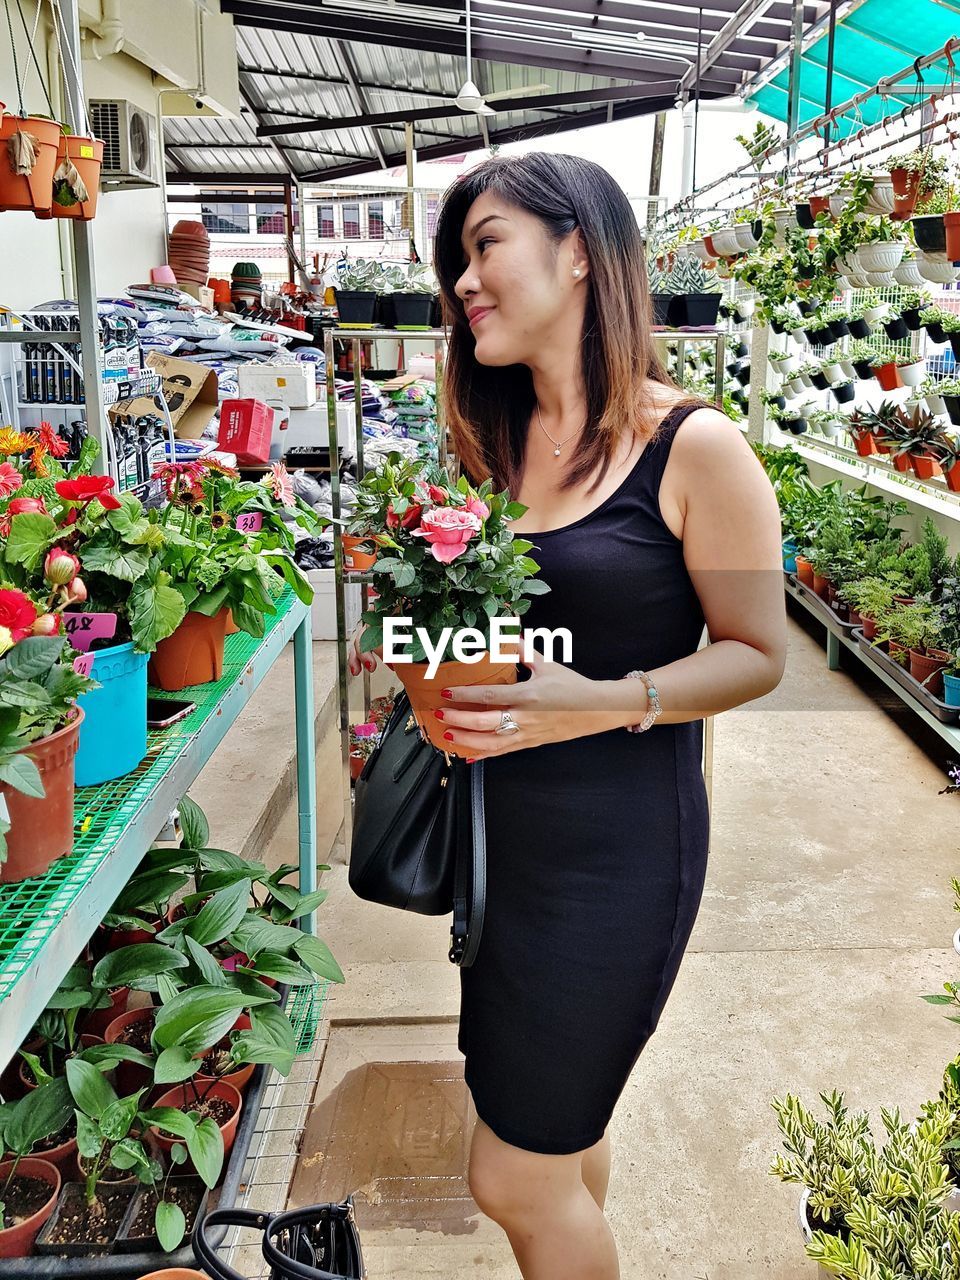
{"points": [[205, 1253]]}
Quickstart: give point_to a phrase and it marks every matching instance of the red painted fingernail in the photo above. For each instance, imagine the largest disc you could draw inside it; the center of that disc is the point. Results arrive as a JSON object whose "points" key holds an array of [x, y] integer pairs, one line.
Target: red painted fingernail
{"points": [[439, 714], [446, 693], [471, 759], [449, 736]]}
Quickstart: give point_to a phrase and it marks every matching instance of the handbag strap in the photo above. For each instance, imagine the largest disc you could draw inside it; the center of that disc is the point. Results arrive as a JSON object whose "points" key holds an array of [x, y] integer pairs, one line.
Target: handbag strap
{"points": [[470, 871], [272, 1224]]}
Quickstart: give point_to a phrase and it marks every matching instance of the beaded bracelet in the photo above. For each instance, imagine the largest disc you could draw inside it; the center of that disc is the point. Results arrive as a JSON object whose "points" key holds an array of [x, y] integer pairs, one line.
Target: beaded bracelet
{"points": [[655, 708]]}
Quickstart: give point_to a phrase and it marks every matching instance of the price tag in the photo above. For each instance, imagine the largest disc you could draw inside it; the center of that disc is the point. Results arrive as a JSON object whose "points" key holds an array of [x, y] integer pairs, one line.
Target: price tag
{"points": [[86, 152], [84, 664], [250, 521], [84, 628]]}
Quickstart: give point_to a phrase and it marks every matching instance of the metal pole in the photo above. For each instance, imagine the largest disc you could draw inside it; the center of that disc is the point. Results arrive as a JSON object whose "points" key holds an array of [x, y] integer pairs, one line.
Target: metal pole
{"points": [[656, 166], [302, 214], [793, 84], [306, 762], [409, 217], [828, 96], [83, 258], [343, 691], [696, 103], [288, 215]]}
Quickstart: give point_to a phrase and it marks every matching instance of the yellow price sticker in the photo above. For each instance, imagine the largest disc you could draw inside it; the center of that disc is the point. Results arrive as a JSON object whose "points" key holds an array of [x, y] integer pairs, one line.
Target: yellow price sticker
{"points": [[87, 153], [281, 382]]}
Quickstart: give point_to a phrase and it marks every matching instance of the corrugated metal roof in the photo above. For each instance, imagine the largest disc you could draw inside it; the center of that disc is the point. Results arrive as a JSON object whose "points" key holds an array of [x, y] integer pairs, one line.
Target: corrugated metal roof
{"points": [[318, 62]]}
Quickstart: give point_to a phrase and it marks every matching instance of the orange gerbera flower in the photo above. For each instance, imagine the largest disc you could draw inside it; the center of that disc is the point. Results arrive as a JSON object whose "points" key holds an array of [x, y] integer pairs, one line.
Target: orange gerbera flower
{"points": [[12, 442]]}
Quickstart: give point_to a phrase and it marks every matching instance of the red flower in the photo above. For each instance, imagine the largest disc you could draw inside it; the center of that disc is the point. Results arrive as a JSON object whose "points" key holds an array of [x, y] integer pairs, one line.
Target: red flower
{"points": [[437, 495], [18, 613], [86, 488], [54, 443], [10, 479], [409, 518], [23, 506], [60, 567]]}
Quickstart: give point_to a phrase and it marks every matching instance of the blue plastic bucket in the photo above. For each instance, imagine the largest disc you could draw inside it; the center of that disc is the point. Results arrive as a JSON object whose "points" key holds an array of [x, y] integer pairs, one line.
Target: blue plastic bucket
{"points": [[790, 555], [951, 690], [113, 736]]}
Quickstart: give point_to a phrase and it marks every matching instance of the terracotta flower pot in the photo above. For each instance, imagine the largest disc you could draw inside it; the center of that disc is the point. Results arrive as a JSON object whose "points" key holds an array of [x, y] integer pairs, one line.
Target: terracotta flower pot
{"points": [[25, 1075], [356, 766], [819, 204], [906, 188], [901, 462], [820, 585], [951, 224], [192, 655], [232, 628], [424, 692], [804, 571], [928, 671], [239, 1078], [952, 478], [898, 653], [17, 1241], [86, 155], [33, 191], [181, 1096], [888, 375], [865, 443], [130, 1075], [41, 831], [98, 1020], [354, 559], [63, 1159], [925, 467], [869, 628]]}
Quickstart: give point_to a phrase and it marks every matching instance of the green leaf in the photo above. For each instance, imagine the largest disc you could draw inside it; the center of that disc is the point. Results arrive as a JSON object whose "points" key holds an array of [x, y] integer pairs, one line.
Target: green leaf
{"points": [[211, 972], [118, 1117], [34, 656], [131, 964], [270, 1039], [939, 999], [170, 1120], [90, 1089], [221, 915], [196, 1019], [205, 1145], [281, 968], [316, 955], [193, 823], [176, 1065], [106, 1056], [170, 1225], [20, 771], [156, 610], [30, 535], [126, 563], [126, 1154], [42, 1113], [89, 1138], [24, 693]]}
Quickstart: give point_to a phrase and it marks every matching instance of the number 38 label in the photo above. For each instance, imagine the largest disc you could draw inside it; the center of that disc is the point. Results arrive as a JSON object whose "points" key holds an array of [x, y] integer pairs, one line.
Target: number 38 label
{"points": [[250, 521]]}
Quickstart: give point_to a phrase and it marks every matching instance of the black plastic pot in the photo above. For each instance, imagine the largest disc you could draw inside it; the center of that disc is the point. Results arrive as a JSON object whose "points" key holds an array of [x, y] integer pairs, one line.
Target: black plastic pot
{"points": [[804, 216], [356, 306], [777, 327], [779, 401], [797, 425], [79, 1248], [697, 310], [436, 313], [930, 233], [741, 351], [844, 392], [807, 307], [864, 369], [955, 344], [732, 367], [743, 376], [127, 1243], [821, 337], [935, 331], [408, 310], [953, 409], [738, 316], [820, 381], [739, 398], [896, 329], [859, 329], [839, 328], [911, 318], [661, 307]]}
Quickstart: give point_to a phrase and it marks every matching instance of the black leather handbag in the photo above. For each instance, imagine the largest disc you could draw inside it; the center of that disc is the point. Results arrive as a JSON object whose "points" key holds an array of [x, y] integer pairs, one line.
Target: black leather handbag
{"points": [[317, 1243], [418, 832]]}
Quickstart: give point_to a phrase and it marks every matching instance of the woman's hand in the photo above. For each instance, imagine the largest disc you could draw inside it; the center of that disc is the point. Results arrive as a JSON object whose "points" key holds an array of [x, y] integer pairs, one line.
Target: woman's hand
{"points": [[357, 660], [554, 705]]}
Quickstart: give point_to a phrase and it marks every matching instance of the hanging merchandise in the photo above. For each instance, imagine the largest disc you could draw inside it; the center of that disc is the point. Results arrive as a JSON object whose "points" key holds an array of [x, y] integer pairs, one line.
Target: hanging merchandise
{"points": [[28, 144]]}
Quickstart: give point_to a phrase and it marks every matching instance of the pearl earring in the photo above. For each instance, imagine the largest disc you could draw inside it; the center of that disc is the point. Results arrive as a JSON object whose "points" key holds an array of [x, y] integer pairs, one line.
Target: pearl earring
{"points": [[576, 271]]}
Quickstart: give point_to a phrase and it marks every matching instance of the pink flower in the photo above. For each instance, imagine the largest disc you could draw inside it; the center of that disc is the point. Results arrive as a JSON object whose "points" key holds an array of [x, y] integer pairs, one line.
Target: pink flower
{"points": [[478, 507], [48, 624], [368, 730], [437, 495], [22, 506], [281, 485], [407, 520], [180, 475], [18, 613], [10, 479], [77, 592], [448, 530], [60, 567]]}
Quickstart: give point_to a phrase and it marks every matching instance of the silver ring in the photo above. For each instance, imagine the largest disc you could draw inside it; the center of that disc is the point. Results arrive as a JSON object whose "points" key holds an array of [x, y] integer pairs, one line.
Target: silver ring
{"points": [[507, 723]]}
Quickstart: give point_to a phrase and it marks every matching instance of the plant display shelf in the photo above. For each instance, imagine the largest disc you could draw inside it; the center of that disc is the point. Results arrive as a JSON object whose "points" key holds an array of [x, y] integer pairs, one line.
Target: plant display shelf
{"points": [[838, 635], [680, 338], [46, 922]]}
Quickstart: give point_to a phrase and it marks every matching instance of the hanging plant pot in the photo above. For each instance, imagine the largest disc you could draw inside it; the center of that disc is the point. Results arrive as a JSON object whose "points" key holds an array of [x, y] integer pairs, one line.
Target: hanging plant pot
{"points": [[832, 371], [818, 205], [820, 381], [859, 329], [925, 467], [896, 328], [41, 830], [711, 248], [911, 375], [884, 256], [937, 272], [839, 328], [30, 1200], [86, 157], [804, 215], [908, 273], [749, 235], [881, 198], [779, 401], [807, 306], [820, 336], [888, 375], [911, 318], [864, 369], [113, 738], [906, 188], [796, 425], [28, 191], [725, 242], [741, 350], [952, 404], [192, 655], [954, 344], [743, 375], [951, 228], [935, 403], [849, 372], [844, 392], [930, 233], [935, 332]]}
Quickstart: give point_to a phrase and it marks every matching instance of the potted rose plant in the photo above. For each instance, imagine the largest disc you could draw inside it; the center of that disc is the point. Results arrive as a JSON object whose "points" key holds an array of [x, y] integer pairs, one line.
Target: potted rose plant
{"points": [[450, 561]]}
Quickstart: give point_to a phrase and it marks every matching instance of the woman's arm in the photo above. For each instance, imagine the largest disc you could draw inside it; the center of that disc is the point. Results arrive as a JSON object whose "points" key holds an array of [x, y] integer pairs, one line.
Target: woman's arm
{"points": [[732, 550]]}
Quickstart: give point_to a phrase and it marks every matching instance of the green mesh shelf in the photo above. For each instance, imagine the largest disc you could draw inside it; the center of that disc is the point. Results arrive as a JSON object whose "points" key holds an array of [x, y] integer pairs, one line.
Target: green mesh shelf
{"points": [[46, 922], [305, 1009]]}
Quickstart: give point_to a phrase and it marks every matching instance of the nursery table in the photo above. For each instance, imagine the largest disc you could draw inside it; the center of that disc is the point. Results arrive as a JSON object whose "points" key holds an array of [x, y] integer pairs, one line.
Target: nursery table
{"points": [[837, 636], [46, 922]]}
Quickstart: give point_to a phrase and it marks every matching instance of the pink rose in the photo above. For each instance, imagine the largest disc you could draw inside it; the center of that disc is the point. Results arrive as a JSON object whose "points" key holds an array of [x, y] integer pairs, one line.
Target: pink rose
{"points": [[437, 495], [409, 517], [478, 507], [448, 530]]}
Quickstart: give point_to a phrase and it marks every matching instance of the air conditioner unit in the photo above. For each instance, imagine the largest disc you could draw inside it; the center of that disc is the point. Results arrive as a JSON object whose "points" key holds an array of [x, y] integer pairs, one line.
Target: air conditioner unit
{"points": [[129, 143]]}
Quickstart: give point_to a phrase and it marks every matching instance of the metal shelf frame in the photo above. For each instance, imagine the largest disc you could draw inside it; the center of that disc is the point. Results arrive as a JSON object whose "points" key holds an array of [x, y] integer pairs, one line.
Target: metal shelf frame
{"points": [[59, 912]]}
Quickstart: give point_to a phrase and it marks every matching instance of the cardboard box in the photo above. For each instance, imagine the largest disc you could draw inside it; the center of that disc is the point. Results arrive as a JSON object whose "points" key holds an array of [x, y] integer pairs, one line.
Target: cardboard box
{"points": [[324, 608], [246, 429], [293, 384], [190, 391]]}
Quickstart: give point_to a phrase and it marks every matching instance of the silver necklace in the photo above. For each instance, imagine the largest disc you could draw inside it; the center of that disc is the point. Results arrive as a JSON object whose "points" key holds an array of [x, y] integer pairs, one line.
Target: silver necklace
{"points": [[556, 443]]}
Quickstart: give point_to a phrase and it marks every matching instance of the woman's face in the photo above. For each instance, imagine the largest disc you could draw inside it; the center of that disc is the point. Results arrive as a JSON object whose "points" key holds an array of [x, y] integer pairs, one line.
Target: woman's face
{"points": [[521, 290]]}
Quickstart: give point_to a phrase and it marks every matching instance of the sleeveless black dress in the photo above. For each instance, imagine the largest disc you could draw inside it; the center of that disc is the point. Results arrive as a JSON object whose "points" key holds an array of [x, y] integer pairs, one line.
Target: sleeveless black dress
{"points": [[596, 847]]}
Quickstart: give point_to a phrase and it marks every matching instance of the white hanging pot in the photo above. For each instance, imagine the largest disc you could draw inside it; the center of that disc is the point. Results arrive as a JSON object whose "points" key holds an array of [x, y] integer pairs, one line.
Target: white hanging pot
{"points": [[805, 379], [700, 251], [874, 313], [838, 203], [745, 236], [833, 372], [937, 272], [789, 365], [784, 219], [787, 389], [879, 279], [880, 200], [849, 372], [746, 306], [936, 405], [908, 274], [912, 375], [859, 280], [831, 428], [886, 255], [726, 242], [796, 386]]}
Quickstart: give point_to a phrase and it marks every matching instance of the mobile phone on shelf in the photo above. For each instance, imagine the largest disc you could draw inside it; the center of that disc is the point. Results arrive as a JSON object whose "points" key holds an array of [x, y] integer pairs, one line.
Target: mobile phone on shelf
{"points": [[163, 712]]}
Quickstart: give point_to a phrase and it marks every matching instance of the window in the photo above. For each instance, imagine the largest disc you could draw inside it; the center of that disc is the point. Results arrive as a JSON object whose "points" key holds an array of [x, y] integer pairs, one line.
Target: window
{"points": [[325, 224], [227, 219], [271, 219], [351, 222], [432, 202], [375, 220]]}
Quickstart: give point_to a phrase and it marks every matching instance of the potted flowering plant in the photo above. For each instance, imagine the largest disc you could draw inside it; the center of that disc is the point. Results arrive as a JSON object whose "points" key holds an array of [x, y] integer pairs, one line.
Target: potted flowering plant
{"points": [[363, 740], [39, 727], [450, 561], [915, 173]]}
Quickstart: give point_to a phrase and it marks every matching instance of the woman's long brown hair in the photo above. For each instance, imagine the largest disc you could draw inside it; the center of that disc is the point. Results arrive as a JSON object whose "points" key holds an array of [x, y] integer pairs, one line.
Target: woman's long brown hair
{"points": [[488, 408]]}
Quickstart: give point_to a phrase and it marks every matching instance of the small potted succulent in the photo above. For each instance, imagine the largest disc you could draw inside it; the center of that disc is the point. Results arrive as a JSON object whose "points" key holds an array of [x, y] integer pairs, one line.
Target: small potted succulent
{"points": [[358, 292]]}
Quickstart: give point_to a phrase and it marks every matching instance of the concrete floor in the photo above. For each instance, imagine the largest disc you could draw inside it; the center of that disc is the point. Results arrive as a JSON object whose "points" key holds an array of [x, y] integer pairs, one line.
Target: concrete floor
{"points": [[828, 913]]}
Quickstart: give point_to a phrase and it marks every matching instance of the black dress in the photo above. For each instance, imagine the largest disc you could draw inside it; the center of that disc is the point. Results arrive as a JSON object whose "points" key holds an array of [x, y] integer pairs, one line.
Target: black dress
{"points": [[596, 847]]}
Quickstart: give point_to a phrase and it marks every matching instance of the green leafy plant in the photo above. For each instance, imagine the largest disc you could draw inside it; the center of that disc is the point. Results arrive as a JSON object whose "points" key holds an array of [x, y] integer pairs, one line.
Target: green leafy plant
{"points": [[40, 1114]]}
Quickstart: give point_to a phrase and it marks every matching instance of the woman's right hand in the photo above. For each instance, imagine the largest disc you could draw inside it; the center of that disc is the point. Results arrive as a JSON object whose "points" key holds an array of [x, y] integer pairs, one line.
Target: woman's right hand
{"points": [[357, 660]]}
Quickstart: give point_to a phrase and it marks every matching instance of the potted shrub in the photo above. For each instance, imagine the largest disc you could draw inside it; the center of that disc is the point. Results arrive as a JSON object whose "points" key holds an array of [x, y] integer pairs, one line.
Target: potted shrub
{"points": [[914, 302], [696, 294], [446, 538], [949, 391], [913, 174], [929, 230], [28, 158], [862, 424], [932, 318], [906, 627], [907, 272], [410, 304], [896, 328], [861, 356], [923, 441]]}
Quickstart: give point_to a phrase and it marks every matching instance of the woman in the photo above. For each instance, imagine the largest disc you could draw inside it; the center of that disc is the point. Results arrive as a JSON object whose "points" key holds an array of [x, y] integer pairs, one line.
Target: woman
{"points": [[651, 517]]}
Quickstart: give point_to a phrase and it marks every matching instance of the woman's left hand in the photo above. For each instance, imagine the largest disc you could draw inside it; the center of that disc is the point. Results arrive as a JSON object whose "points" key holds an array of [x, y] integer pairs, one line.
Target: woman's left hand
{"points": [[554, 705]]}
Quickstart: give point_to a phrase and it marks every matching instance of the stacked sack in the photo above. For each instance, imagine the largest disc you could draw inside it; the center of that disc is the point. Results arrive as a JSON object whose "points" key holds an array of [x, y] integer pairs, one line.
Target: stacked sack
{"points": [[190, 252], [416, 408]]}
